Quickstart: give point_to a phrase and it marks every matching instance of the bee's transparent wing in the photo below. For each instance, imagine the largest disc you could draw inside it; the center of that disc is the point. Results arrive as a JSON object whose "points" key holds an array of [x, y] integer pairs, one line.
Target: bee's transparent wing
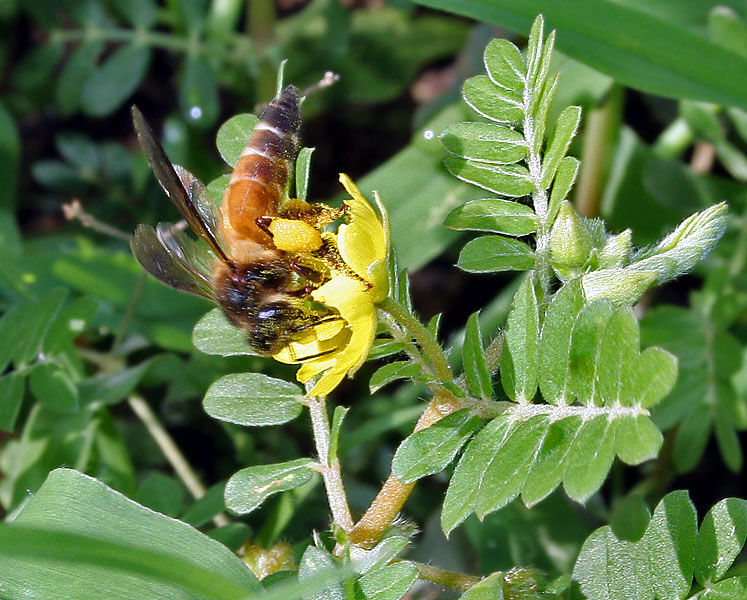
{"points": [[173, 258], [187, 193]]}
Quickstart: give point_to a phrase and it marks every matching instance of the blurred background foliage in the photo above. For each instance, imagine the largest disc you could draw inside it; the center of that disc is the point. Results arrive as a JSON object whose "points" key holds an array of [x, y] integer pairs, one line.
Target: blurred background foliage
{"points": [[85, 337]]}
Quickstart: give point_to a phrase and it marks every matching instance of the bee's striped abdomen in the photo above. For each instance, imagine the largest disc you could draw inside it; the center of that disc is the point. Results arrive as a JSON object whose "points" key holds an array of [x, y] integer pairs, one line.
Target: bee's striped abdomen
{"points": [[262, 171]]}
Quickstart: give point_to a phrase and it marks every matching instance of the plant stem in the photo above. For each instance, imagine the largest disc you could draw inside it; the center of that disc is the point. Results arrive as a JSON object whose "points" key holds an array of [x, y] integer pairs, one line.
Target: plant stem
{"points": [[458, 581], [394, 493], [422, 336], [329, 469], [171, 451]]}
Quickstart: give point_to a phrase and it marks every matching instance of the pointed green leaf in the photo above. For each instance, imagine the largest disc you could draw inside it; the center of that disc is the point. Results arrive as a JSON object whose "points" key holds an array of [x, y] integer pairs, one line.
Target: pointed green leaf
{"points": [[492, 102], [565, 130], [470, 472], [75, 529], [555, 344], [233, 136], [733, 588], [78, 68], [110, 388], [534, 49], [484, 142], [507, 180], [618, 357], [35, 69], [586, 344], [303, 170], [198, 92], [548, 467], [542, 111], [207, 506], [53, 388], [505, 65], [630, 518], [214, 334], [140, 13], [250, 487], [475, 365], [114, 81], [401, 369], [720, 540], [590, 458], [162, 494], [253, 399], [493, 214], [315, 564], [521, 341], [538, 77], [636, 439], [508, 471], [381, 554], [11, 398], [334, 434], [728, 441], [383, 347], [432, 449], [565, 177], [489, 588], [491, 253], [691, 438], [388, 583]]}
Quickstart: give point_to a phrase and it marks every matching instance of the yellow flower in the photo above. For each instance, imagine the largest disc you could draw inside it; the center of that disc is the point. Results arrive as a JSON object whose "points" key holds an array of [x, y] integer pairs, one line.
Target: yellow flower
{"points": [[339, 346]]}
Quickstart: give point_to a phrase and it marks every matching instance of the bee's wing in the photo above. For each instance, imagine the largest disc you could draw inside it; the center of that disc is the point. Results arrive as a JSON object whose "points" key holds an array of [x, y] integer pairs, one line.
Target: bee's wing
{"points": [[171, 257], [187, 193]]}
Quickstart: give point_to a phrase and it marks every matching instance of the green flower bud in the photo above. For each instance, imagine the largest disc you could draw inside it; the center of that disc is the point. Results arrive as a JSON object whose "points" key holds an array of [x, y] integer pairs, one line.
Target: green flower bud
{"points": [[570, 242], [620, 286], [616, 250]]}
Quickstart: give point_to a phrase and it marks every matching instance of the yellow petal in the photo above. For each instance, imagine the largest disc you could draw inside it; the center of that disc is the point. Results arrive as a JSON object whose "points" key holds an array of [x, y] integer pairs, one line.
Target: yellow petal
{"points": [[363, 242]]}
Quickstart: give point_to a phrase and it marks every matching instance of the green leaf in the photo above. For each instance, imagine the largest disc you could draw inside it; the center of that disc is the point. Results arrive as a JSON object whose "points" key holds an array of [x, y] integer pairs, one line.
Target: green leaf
{"points": [[555, 344], [586, 343], [432, 449], [727, 29], [11, 398], [549, 466], [10, 149], [303, 170], [334, 433], [520, 346], [590, 458], [140, 13], [315, 564], [720, 540], [110, 388], [198, 92], [618, 353], [491, 253], [565, 130], [473, 358], [659, 565], [504, 65], [485, 142], [655, 376], [508, 471], [492, 102], [383, 347], [734, 588], [489, 588], [470, 471], [381, 554], [35, 70], [507, 180], [78, 68], [214, 334], [161, 493], [542, 111], [637, 439], [691, 439], [114, 81], [493, 214], [630, 518], [565, 177], [233, 136], [76, 529], [388, 583], [253, 399], [206, 507], [636, 48], [250, 487], [54, 388], [401, 369]]}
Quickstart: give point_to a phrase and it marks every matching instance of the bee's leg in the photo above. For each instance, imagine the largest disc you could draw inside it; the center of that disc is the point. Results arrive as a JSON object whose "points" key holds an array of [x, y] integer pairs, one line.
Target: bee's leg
{"points": [[306, 272], [305, 326], [313, 356]]}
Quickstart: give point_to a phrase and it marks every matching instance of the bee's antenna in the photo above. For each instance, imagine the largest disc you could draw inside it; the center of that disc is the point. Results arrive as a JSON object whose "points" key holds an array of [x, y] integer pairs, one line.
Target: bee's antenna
{"points": [[326, 81]]}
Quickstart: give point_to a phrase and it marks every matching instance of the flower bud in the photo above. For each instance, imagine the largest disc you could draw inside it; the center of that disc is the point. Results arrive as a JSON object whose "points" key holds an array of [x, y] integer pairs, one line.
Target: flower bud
{"points": [[620, 286], [570, 242], [616, 250]]}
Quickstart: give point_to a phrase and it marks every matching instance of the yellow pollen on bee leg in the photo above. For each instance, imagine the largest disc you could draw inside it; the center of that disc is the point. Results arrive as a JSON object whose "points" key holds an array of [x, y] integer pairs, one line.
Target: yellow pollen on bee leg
{"points": [[291, 235]]}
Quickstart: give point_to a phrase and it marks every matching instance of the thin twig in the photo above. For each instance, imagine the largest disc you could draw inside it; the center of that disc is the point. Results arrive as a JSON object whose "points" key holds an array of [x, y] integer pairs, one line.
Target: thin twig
{"points": [[450, 579], [171, 451], [329, 469], [74, 211]]}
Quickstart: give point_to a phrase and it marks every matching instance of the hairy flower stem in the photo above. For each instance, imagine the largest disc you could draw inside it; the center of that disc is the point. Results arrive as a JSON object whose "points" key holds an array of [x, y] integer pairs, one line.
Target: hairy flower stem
{"points": [[423, 336], [457, 581], [329, 469], [393, 494]]}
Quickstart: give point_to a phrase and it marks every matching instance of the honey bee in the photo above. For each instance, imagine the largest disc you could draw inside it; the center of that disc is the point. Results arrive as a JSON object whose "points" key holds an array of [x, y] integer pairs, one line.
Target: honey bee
{"points": [[261, 289]]}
